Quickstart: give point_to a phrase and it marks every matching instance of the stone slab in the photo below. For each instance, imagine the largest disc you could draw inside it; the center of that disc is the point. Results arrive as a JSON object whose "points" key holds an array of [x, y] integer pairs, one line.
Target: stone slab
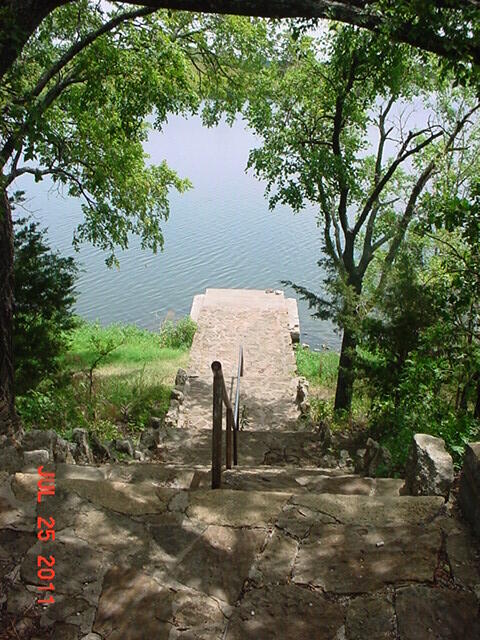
{"points": [[347, 559], [424, 613], [236, 508], [133, 606], [268, 614], [372, 511], [371, 617], [220, 560]]}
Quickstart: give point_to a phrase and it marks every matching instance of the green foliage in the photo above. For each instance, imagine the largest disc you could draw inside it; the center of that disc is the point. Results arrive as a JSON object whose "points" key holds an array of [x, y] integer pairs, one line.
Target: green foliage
{"points": [[53, 404], [118, 396], [178, 335], [420, 350], [44, 297], [319, 368], [81, 99], [392, 328], [320, 410]]}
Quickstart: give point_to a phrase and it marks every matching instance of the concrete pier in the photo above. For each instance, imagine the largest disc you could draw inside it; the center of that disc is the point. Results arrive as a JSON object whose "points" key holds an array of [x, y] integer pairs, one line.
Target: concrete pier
{"points": [[265, 324]]}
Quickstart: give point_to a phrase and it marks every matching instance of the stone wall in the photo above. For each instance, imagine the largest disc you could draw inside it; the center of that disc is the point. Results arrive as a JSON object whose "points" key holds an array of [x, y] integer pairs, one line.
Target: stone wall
{"points": [[469, 495]]}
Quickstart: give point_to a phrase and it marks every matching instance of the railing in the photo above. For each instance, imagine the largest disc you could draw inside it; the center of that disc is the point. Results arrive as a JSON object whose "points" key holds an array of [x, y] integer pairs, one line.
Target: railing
{"points": [[220, 397]]}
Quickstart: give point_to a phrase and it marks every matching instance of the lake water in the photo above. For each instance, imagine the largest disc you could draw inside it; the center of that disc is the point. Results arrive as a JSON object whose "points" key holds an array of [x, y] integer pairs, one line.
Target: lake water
{"points": [[219, 234]]}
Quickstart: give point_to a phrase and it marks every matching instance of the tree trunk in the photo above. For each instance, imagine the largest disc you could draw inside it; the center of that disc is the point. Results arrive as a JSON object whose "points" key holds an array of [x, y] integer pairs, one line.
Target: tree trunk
{"points": [[18, 21], [476, 411], [345, 379], [8, 418]]}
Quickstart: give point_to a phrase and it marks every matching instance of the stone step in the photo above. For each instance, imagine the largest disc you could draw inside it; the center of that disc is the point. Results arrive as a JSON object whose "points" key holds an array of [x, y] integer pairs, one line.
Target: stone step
{"points": [[136, 560], [332, 481], [255, 448], [262, 406], [235, 507]]}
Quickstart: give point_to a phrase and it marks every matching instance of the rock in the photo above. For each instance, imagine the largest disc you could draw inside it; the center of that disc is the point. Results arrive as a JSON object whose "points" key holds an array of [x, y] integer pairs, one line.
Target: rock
{"points": [[124, 446], [286, 611], [359, 460], [461, 558], [202, 565], [425, 613], [156, 423], [40, 439], [82, 454], [178, 396], [63, 631], [139, 455], [36, 458], [150, 438], [181, 378], [157, 611], [302, 390], [100, 450], [345, 460], [429, 468], [302, 395], [469, 493], [375, 457], [11, 459], [171, 419], [355, 563], [370, 618], [62, 451]]}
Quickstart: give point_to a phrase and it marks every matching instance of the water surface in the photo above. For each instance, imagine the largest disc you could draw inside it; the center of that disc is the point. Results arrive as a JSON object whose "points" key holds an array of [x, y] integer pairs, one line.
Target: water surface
{"points": [[219, 234]]}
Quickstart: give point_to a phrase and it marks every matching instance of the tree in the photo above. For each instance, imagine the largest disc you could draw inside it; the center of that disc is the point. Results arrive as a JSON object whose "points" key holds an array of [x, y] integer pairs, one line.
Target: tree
{"points": [[44, 298], [448, 28], [76, 108], [315, 112]]}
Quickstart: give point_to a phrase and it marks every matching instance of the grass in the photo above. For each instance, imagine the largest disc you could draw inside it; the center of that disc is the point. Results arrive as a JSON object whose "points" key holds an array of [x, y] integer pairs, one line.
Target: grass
{"points": [[320, 368], [111, 381]]}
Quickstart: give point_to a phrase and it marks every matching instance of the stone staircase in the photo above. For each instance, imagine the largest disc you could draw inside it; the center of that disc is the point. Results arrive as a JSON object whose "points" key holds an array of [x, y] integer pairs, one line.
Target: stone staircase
{"points": [[149, 550], [289, 547]]}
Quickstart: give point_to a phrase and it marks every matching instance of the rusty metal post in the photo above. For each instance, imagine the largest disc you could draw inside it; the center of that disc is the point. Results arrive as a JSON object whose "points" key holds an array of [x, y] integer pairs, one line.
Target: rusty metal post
{"points": [[229, 438], [217, 425]]}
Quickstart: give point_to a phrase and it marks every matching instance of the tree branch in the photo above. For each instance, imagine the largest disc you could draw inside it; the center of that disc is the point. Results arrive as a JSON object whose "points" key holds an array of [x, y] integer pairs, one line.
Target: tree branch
{"points": [[415, 193], [83, 44], [20, 18], [402, 155]]}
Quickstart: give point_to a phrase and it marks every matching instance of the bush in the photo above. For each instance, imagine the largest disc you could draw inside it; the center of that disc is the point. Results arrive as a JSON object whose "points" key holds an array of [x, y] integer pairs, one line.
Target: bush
{"points": [[111, 382], [44, 298], [421, 404], [53, 404], [178, 335]]}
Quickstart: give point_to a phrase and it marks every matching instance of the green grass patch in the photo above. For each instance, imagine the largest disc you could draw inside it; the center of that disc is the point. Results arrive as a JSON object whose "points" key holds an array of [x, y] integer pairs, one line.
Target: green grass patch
{"points": [[112, 380], [320, 368], [133, 346]]}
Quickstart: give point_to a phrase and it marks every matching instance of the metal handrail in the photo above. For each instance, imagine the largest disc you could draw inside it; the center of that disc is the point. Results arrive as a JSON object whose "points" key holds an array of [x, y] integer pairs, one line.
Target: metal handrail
{"points": [[236, 411], [220, 397]]}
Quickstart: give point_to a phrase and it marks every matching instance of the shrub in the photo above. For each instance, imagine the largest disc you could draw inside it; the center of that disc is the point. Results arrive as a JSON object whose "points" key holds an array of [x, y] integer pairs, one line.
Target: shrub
{"points": [[44, 298], [178, 335]]}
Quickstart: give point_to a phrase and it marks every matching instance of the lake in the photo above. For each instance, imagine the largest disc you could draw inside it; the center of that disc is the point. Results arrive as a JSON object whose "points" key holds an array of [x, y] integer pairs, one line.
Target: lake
{"points": [[219, 234]]}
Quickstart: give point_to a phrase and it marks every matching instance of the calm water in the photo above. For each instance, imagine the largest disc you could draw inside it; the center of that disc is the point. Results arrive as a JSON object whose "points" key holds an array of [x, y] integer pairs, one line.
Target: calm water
{"points": [[220, 234]]}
